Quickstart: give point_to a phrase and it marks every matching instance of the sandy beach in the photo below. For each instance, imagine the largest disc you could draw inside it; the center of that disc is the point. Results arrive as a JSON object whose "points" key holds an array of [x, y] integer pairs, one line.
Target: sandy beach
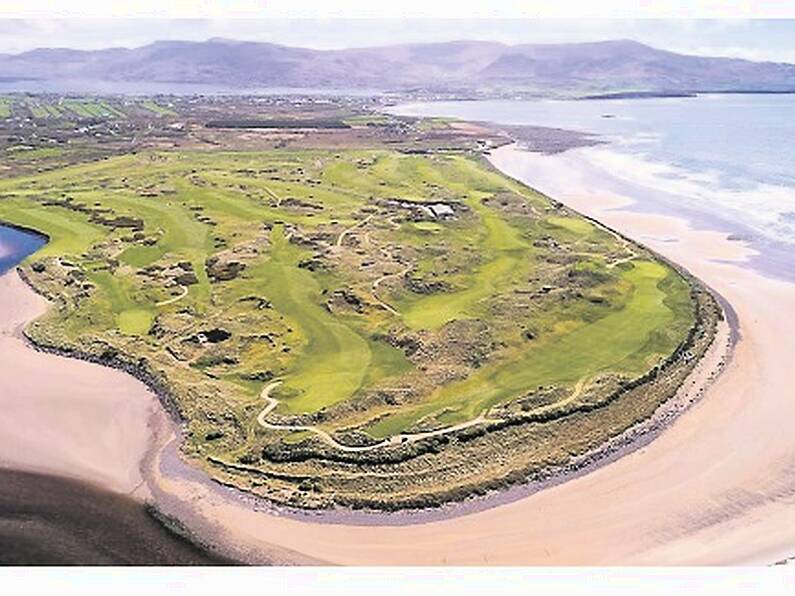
{"points": [[62, 416], [717, 487]]}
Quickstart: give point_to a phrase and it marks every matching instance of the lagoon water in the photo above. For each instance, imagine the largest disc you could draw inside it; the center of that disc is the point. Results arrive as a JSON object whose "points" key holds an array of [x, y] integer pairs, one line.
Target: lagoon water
{"points": [[16, 245], [728, 161]]}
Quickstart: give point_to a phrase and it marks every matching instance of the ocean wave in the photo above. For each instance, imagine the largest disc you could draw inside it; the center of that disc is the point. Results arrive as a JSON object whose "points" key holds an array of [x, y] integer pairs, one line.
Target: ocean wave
{"points": [[765, 208]]}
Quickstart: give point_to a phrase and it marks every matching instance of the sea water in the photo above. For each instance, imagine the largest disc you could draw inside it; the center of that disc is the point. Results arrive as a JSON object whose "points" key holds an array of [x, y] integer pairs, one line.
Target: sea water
{"points": [[724, 159]]}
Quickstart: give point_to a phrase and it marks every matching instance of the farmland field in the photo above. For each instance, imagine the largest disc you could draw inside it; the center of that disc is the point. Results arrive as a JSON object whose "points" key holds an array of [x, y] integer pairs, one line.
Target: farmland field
{"points": [[309, 311], [157, 109], [92, 109], [43, 109], [5, 107]]}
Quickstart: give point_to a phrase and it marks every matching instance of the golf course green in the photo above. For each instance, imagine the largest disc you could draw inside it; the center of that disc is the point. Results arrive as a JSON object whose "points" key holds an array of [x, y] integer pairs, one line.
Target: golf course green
{"points": [[306, 306]]}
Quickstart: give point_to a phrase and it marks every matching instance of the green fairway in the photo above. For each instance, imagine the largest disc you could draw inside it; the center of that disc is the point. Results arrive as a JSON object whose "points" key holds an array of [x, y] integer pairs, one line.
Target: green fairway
{"points": [[509, 259], [636, 341], [335, 359], [164, 245], [579, 227], [69, 233]]}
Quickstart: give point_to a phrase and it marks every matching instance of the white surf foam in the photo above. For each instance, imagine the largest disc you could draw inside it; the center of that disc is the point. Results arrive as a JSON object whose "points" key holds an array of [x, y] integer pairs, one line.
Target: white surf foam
{"points": [[767, 209]]}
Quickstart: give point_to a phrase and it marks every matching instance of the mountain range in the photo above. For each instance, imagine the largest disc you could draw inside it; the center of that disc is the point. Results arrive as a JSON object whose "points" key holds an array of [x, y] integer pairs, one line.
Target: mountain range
{"points": [[460, 66]]}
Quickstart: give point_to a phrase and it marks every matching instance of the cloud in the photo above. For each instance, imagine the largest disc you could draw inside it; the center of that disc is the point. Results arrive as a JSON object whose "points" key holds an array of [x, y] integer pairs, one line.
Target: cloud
{"points": [[402, 9], [755, 54]]}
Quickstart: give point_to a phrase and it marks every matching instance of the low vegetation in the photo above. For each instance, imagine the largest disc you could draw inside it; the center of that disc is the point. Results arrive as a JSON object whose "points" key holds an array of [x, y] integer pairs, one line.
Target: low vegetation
{"points": [[5, 107]]}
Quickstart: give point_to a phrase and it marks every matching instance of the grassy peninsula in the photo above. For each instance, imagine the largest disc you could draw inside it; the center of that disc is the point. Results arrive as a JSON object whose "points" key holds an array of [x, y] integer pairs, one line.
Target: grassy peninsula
{"points": [[364, 315]]}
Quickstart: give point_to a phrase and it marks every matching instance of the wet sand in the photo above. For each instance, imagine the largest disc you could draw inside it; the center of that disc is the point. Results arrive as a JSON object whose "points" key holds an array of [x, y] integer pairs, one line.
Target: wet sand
{"points": [[47, 520], [716, 487]]}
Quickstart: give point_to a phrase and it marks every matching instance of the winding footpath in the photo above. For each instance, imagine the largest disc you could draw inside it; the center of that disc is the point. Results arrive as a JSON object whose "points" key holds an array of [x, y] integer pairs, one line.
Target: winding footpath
{"points": [[272, 403], [482, 418], [180, 296], [355, 226], [374, 289]]}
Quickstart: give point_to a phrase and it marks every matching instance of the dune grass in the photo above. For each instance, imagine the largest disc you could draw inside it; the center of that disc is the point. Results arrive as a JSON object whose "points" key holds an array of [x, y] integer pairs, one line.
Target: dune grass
{"points": [[335, 359], [627, 341]]}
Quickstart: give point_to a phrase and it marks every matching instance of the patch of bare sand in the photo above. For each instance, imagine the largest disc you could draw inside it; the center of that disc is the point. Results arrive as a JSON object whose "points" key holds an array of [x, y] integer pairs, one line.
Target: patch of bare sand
{"points": [[62, 416]]}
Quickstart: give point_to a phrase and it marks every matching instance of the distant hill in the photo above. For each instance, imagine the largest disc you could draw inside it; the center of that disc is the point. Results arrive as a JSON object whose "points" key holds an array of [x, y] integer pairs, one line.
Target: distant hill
{"points": [[465, 66]]}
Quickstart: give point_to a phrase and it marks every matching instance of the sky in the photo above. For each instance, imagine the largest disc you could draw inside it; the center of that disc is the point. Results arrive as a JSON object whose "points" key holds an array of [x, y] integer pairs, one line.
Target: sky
{"points": [[735, 37]]}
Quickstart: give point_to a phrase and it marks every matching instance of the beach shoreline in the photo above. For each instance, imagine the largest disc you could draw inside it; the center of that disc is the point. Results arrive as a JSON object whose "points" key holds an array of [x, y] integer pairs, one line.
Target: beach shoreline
{"points": [[635, 437], [495, 533], [161, 459], [66, 422]]}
